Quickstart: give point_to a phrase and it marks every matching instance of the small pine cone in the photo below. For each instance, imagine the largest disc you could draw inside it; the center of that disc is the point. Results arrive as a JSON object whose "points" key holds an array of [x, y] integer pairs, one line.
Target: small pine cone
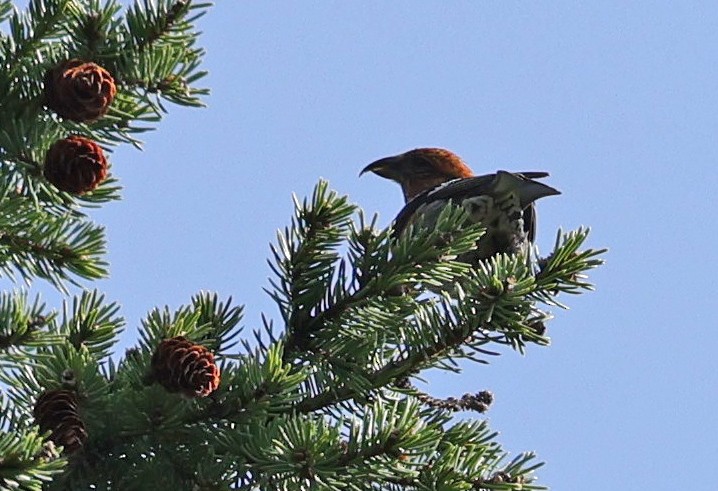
{"points": [[180, 365], [75, 165], [57, 411], [79, 91]]}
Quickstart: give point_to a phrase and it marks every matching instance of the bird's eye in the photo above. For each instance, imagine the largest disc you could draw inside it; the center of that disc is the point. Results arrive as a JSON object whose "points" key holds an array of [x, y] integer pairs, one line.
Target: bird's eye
{"points": [[423, 168]]}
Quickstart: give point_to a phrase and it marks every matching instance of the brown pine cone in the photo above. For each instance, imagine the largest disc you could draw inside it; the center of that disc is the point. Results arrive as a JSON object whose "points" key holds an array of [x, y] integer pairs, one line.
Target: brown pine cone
{"points": [[57, 411], [75, 165], [180, 365], [79, 91]]}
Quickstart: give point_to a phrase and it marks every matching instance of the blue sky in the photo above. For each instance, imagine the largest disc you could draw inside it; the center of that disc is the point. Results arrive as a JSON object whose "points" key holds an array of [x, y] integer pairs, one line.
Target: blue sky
{"points": [[617, 100]]}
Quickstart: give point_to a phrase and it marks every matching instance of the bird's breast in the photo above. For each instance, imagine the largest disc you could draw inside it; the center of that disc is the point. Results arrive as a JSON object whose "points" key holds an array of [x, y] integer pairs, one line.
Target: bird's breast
{"points": [[429, 213], [501, 215]]}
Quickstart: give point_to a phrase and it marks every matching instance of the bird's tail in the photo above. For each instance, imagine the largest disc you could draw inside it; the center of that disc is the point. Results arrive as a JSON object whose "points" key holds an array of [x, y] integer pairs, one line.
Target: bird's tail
{"points": [[529, 190]]}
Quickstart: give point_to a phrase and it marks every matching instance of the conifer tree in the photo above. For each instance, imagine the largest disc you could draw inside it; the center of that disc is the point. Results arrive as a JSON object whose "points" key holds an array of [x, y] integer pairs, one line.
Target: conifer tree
{"points": [[323, 396]]}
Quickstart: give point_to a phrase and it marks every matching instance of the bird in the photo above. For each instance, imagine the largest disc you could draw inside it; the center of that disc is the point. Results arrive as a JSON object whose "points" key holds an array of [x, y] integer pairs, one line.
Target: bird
{"points": [[503, 202]]}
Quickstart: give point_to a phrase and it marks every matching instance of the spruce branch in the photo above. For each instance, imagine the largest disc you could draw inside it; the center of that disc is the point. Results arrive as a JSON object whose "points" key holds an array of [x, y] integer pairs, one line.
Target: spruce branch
{"points": [[152, 22], [150, 51], [488, 305], [304, 260], [164, 62], [27, 462], [395, 444], [59, 249], [187, 321], [23, 324], [563, 271], [95, 31], [29, 33], [478, 402], [29, 164], [379, 266], [326, 400], [222, 318], [5, 9], [27, 183], [92, 324]]}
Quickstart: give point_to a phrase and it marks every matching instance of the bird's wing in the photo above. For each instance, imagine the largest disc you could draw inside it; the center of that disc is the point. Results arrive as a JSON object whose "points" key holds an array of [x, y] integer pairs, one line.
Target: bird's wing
{"points": [[530, 211], [457, 190], [530, 221], [532, 174]]}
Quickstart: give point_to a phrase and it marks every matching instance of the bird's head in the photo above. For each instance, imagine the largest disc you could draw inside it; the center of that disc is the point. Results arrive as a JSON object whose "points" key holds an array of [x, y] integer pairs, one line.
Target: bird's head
{"points": [[420, 169]]}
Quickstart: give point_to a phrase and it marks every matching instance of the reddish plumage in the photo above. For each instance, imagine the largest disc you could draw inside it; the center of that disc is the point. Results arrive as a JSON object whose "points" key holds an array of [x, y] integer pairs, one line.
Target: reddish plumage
{"points": [[420, 169], [444, 162]]}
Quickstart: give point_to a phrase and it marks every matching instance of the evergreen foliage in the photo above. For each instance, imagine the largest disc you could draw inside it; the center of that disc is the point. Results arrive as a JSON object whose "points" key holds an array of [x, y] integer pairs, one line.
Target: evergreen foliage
{"points": [[322, 399]]}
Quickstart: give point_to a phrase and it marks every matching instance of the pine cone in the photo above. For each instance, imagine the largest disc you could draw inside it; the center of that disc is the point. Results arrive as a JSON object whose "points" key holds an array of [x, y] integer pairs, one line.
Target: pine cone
{"points": [[180, 365], [57, 411], [75, 165], [79, 91]]}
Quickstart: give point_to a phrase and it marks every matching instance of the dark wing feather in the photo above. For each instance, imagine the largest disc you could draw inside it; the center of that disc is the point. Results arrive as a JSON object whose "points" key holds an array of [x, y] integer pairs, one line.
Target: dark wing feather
{"points": [[530, 221], [459, 189], [533, 174], [404, 215]]}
